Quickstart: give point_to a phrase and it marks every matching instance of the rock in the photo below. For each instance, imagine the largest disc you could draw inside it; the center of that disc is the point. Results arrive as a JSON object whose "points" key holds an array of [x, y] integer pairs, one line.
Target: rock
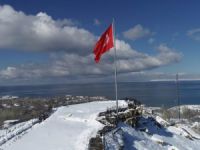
{"points": [[95, 143]]}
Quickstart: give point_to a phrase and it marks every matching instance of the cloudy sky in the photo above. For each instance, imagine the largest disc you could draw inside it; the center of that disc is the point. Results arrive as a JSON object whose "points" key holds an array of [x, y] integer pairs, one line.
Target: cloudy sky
{"points": [[50, 41]]}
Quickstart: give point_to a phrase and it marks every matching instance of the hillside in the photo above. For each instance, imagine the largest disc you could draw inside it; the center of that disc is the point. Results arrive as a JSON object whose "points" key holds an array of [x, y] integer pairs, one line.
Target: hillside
{"points": [[71, 128]]}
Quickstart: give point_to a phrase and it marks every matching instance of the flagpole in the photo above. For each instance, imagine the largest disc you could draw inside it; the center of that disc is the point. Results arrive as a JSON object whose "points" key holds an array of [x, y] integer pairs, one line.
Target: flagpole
{"points": [[115, 63]]}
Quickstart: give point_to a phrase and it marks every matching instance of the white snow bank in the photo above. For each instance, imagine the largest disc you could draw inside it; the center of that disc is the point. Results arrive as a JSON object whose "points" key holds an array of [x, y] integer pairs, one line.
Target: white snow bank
{"points": [[11, 132], [69, 128]]}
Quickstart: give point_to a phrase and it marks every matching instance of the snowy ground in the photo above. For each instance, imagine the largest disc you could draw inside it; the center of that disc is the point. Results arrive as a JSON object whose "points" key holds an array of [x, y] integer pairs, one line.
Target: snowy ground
{"points": [[154, 137], [12, 133], [150, 135], [69, 128]]}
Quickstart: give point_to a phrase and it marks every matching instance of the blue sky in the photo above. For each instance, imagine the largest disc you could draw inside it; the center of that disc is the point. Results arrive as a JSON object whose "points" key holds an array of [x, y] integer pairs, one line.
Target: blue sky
{"points": [[154, 28]]}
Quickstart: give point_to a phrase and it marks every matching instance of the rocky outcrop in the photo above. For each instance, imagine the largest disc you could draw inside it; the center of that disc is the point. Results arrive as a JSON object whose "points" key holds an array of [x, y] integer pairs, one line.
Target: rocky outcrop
{"points": [[109, 118]]}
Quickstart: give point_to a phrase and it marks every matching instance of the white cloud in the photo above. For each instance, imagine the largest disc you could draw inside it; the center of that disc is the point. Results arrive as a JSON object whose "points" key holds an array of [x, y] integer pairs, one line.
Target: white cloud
{"points": [[168, 55], [41, 33], [194, 34], [9, 72], [75, 65], [137, 32]]}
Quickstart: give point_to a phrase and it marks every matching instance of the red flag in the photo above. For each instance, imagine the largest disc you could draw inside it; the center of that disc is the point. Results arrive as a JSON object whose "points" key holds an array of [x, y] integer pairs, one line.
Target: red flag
{"points": [[104, 44]]}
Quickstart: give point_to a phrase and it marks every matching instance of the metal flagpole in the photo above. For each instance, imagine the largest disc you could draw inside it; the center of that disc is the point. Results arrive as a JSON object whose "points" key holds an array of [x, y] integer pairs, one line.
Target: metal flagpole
{"points": [[178, 96], [115, 63]]}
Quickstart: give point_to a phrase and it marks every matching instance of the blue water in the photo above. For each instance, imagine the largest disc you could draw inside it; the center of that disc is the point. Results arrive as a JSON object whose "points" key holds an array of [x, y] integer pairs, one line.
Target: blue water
{"points": [[149, 93]]}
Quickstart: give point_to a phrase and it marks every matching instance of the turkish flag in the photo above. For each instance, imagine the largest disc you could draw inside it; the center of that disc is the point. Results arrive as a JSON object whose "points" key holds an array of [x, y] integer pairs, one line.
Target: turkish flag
{"points": [[104, 44]]}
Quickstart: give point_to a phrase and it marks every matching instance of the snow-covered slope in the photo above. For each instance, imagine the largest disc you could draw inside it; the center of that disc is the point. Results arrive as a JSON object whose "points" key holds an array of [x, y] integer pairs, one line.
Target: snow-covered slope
{"points": [[16, 130], [69, 128], [152, 136]]}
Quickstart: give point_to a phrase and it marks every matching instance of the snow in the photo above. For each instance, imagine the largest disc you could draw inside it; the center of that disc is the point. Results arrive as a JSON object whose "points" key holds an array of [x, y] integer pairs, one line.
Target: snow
{"points": [[192, 107], [156, 138], [6, 106], [196, 125], [162, 121], [69, 128], [8, 97], [189, 130], [133, 139], [10, 121], [16, 105], [10, 133]]}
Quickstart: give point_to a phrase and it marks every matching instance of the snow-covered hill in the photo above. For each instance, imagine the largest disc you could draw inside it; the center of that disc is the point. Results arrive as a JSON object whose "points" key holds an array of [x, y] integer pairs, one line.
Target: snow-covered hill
{"points": [[69, 128]]}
